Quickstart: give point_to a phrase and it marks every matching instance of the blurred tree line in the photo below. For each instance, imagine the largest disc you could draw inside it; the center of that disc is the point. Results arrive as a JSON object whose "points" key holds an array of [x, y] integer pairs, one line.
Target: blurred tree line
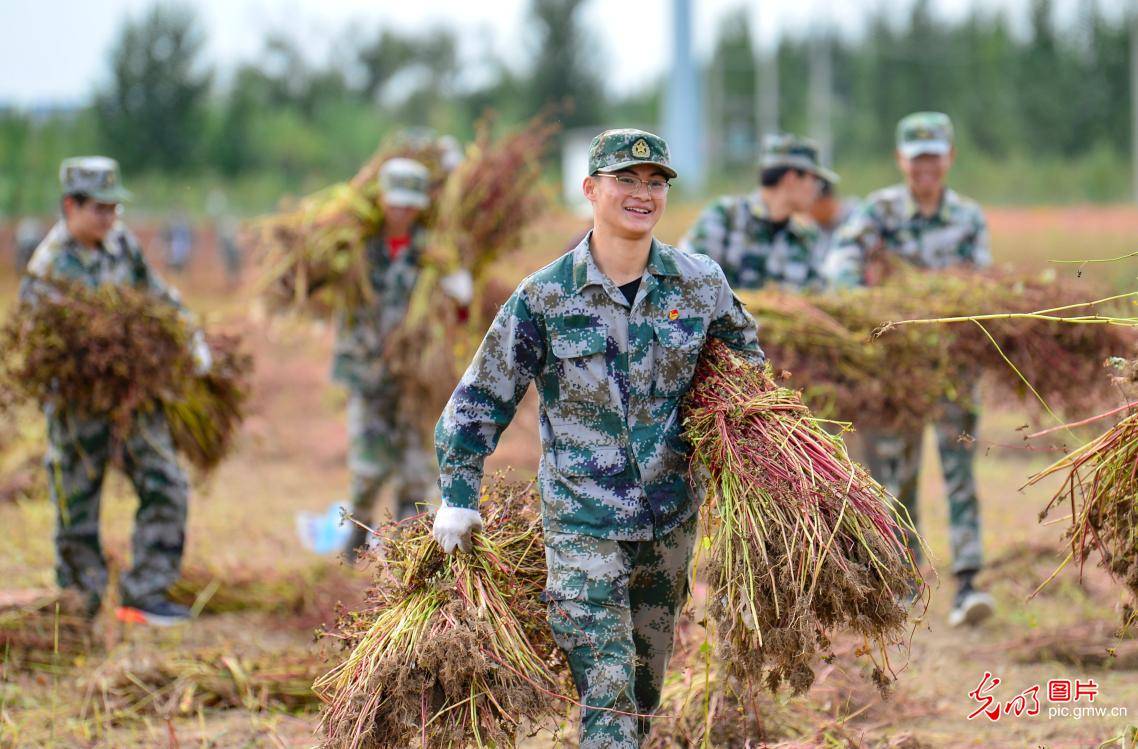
{"points": [[1059, 94], [284, 123]]}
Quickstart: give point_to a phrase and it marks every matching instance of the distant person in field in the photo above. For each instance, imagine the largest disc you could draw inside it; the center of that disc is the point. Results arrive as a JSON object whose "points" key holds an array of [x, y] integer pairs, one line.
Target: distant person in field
{"points": [[383, 447], [91, 246], [179, 243], [761, 238], [609, 333], [829, 212], [924, 222], [225, 229], [29, 234]]}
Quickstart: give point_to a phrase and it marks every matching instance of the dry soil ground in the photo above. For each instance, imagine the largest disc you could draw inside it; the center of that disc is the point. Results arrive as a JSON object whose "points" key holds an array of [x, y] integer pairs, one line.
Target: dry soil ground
{"points": [[292, 458]]}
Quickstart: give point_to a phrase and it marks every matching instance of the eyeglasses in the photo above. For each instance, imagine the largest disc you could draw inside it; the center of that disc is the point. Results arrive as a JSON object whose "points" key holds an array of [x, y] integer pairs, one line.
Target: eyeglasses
{"points": [[106, 209], [657, 188]]}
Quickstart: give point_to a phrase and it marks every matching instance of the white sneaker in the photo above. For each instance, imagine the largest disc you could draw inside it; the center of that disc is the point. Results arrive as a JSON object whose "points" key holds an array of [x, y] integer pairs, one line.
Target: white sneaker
{"points": [[970, 608]]}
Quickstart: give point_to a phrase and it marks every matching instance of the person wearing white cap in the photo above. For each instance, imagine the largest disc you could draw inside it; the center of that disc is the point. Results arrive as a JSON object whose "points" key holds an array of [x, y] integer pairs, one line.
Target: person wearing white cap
{"points": [[382, 448]]}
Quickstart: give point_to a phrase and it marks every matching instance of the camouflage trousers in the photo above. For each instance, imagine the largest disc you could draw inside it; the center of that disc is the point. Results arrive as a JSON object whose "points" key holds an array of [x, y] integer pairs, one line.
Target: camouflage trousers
{"points": [[380, 449], [894, 459], [613, 608], [78, 452]]}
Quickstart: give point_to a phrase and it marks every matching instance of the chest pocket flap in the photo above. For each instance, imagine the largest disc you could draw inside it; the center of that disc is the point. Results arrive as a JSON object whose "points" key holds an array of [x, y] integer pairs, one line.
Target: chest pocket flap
{"points": [[579, 344], [678, 343], [576, 335]]}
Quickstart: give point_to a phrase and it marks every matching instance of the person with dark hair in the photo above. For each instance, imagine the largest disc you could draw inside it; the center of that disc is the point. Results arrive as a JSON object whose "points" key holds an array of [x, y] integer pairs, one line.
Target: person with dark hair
{"points": [[90, 245], [759, 238]]}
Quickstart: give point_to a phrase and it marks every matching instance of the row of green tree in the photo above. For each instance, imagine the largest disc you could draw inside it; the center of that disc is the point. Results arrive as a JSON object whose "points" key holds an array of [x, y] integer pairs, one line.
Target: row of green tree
{"points": [[1054, 91], [165, 110]]}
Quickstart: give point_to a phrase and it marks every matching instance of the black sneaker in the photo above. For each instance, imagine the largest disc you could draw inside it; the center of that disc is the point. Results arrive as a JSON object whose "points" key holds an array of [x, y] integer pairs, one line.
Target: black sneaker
{"points": [[158, 613], [971, 606]]}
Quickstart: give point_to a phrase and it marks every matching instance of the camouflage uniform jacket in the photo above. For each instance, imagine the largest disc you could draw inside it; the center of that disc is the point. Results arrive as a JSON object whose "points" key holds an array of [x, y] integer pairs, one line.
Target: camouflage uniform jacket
{"points": [[609, 378], [360, 342], [736, 232], [118, 262], [955, 235]]}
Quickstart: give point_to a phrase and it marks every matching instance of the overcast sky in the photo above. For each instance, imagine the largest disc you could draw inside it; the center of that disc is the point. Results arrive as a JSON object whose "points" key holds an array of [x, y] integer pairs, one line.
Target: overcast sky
{"points": [[54, 51]]}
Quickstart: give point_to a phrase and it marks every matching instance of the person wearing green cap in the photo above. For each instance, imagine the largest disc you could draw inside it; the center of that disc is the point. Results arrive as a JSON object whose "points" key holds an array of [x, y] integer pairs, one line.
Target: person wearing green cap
{"points": [[929, 225], [609, 333], [90, 245], [761, 238]]}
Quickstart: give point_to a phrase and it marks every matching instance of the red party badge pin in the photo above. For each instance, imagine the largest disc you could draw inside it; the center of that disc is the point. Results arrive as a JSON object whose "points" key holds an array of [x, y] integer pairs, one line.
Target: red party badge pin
{"points": [[673, 314]]}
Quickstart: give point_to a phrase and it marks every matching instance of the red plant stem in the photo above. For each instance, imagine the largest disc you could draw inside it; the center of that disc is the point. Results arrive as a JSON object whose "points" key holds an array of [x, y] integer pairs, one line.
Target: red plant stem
{"points": [[1084, 422]]}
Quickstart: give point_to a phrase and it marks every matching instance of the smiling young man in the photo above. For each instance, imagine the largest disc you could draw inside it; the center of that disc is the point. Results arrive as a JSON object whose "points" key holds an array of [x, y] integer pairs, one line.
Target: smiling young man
{"points": [[929, 225], [758, 238], [609, 333], [92, 247]]}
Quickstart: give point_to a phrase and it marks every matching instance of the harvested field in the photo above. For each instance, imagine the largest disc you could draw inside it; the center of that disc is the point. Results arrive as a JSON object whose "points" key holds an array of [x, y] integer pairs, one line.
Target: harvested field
{"points": [[262, 594]]}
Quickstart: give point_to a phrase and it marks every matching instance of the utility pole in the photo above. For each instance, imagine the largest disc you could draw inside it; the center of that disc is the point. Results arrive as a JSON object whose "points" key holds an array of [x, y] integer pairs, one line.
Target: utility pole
{"points": [[683, 111], [822, 94]]}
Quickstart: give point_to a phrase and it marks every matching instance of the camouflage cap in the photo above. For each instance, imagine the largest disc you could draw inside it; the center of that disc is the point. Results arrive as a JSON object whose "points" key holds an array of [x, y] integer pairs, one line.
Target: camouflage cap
{"points": [[614, 150], [405, 182], [924, 132], [786, 150], [97, 177]]}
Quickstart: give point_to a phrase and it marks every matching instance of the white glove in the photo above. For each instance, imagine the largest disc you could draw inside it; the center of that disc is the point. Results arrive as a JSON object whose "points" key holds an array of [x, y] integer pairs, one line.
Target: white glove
{"points": [[199, 349], [454, 526], [459, 286]]}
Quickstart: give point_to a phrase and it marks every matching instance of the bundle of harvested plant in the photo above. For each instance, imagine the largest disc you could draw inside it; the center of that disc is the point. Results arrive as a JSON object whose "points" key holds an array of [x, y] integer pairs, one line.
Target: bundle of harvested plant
{"points": [[107, 352], [113, 352], [803, 541], [144, 684], [205, 417], [824, 343], [1100, 488], [1043, 341], [493, 195], [841, 349], [450, 650], [312, 254]]}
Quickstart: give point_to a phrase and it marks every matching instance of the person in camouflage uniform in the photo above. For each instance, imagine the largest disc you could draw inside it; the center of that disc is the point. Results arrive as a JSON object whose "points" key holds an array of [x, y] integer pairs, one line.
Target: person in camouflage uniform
{"points": [[757, 238], [382, 446], [931, 226], [89, 245], [610, 334]]}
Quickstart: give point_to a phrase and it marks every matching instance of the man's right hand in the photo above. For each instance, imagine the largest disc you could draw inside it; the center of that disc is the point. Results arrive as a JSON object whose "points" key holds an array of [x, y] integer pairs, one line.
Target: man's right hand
{"points": [[455, 526]]}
